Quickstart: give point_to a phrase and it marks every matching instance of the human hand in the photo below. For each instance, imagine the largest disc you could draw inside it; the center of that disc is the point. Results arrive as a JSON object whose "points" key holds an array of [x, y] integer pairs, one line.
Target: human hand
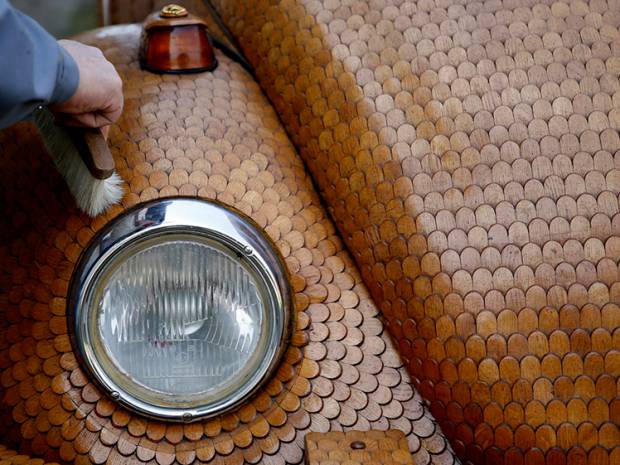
{"points": [[98, 100]]}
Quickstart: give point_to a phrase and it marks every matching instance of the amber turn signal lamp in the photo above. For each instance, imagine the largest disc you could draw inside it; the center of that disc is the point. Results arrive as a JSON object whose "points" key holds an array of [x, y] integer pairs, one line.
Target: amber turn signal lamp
{"points": [[174, 41]]}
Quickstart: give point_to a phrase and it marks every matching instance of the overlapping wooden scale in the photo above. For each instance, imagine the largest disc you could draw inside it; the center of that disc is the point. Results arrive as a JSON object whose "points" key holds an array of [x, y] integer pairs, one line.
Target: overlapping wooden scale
{"points": [[11, 457], [212, 136], [468, 152]]}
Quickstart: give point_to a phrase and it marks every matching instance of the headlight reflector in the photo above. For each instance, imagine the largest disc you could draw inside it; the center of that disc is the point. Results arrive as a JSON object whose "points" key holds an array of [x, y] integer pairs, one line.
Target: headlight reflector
{"points": [[180, 308]]}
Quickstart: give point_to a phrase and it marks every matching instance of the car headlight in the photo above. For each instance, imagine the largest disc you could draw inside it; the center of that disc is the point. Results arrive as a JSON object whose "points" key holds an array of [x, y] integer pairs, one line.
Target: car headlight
{"points": [[180, 308]]}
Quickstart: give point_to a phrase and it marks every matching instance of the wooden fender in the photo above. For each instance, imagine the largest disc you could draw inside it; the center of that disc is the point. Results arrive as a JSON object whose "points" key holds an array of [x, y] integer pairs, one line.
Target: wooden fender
{"points": [[210, 135]]}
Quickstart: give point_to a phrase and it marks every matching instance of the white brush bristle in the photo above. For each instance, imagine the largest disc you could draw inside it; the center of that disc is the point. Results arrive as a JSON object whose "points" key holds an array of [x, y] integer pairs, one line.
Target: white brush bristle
{"points": [[93, 196]]}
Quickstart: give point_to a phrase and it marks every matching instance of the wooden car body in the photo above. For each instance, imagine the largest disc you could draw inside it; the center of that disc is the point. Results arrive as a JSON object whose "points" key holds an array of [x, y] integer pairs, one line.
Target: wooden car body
{"points": [[443, 181]]}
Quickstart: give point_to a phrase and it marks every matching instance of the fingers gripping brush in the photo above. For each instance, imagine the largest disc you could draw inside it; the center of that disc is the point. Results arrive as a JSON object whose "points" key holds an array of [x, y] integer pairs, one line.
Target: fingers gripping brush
{"points": [[83, 159]]}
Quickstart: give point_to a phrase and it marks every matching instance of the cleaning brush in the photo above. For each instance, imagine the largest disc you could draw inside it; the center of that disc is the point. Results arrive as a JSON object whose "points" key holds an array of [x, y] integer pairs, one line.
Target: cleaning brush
{"points": [[83, 158]]}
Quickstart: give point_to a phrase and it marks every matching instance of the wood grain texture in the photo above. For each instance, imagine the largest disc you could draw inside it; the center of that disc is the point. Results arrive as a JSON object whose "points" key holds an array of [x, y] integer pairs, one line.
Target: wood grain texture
{"points": [[213, 136], [469, 153], [357, 447]]}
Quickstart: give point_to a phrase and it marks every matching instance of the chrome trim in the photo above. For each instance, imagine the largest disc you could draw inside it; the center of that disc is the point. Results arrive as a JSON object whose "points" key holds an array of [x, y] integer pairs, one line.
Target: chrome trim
{"points": [[203, 218]]}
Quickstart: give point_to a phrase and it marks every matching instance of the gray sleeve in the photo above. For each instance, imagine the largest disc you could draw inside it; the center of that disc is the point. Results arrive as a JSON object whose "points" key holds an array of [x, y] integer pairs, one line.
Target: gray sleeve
{"points": [[34, 69]]}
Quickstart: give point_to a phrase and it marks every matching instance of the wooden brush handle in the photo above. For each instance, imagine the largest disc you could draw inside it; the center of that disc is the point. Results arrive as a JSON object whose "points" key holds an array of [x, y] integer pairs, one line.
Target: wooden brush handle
{"points": [[94, 150]]}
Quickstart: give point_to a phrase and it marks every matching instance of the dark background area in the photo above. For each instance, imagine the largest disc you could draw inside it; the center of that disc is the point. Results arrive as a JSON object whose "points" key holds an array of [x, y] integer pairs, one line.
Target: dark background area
{"points": [[62, 18]]}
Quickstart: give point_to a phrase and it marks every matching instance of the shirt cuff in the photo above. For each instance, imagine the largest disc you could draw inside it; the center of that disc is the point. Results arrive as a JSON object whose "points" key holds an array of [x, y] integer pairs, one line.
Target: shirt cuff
{"points": [[67, 77]]}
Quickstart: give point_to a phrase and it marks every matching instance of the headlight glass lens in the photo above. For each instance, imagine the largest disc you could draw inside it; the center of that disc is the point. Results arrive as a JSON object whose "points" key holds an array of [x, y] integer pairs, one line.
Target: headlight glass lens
{"points": [[180, 318], [180, 323]]}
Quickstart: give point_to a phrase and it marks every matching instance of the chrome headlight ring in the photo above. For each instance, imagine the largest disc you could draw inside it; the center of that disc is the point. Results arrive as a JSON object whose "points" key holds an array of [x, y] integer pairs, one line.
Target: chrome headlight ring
{"points": [[180, 309]]}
